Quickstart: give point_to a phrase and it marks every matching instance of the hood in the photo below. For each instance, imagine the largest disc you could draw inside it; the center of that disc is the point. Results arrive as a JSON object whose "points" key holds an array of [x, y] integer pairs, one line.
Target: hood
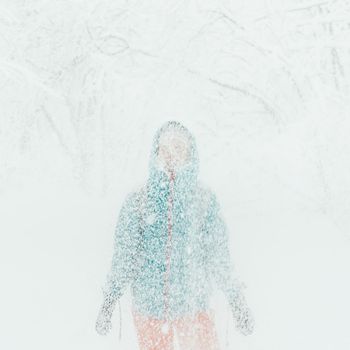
{"points": [[185, 176]]}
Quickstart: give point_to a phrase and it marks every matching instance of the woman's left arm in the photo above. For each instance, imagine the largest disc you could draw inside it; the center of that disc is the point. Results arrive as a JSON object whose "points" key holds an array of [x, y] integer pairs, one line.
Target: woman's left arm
{"points": [[221, 266]]}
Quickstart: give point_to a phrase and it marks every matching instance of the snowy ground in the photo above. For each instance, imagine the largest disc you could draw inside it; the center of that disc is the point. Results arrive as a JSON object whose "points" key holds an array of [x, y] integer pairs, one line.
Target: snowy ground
{"points": [[263, 86]]}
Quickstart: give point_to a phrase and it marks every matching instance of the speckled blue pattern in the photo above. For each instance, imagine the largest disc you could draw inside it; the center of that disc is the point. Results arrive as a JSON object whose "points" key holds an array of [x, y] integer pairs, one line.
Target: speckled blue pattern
{"points": [[199, 252]]}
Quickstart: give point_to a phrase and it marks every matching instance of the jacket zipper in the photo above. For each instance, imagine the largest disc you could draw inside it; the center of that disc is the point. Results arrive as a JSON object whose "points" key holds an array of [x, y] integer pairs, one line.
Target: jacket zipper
{"points": [[168, 246]]}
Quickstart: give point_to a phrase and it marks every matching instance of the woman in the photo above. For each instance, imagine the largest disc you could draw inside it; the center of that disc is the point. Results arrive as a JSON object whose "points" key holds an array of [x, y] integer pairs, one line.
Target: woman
{"points": [[171, 246]]}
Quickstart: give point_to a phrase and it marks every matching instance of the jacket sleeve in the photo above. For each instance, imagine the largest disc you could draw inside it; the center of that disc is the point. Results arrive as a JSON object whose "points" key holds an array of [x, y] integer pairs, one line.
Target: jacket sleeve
{"points": [[220, 264], [126, 240]]}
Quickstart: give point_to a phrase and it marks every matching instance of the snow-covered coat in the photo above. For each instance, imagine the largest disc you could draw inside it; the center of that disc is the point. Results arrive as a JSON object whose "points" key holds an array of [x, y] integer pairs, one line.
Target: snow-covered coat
{"points": [[171, 242]]}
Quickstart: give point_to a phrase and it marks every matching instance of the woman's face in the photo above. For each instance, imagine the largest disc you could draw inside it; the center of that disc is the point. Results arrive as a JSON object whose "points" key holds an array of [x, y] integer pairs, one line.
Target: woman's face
{"points": [[173, 151]]}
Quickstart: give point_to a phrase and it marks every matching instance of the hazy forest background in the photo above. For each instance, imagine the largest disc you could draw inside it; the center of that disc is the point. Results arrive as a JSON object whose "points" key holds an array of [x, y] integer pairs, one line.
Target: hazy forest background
{"points": [[264, 85]]}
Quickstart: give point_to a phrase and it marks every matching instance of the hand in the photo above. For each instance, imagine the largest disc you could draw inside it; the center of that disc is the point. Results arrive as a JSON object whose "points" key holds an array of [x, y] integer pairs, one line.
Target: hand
{"points": [[245, 322], [242, 314], [103, 322]]}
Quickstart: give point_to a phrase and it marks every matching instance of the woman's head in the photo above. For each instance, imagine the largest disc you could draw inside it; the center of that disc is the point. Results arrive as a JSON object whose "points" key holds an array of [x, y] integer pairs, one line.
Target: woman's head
{"points": [[173, 154], [174, 147]]}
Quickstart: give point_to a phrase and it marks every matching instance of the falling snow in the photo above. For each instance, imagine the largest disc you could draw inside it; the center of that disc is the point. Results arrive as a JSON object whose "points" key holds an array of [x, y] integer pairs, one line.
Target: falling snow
{"points": [[259, 231]]}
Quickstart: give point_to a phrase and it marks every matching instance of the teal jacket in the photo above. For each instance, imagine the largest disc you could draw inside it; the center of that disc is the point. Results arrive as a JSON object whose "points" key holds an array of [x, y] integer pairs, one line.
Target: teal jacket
{"points": [[171, 243]]}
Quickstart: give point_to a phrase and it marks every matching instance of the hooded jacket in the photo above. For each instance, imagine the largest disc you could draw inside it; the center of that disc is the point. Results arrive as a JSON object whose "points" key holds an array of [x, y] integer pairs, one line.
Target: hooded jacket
{"points": [[171, 242]]}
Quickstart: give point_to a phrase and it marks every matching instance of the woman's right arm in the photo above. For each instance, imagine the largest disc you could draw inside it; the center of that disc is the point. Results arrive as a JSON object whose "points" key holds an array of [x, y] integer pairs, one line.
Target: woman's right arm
{"points": [[126, 239]]}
